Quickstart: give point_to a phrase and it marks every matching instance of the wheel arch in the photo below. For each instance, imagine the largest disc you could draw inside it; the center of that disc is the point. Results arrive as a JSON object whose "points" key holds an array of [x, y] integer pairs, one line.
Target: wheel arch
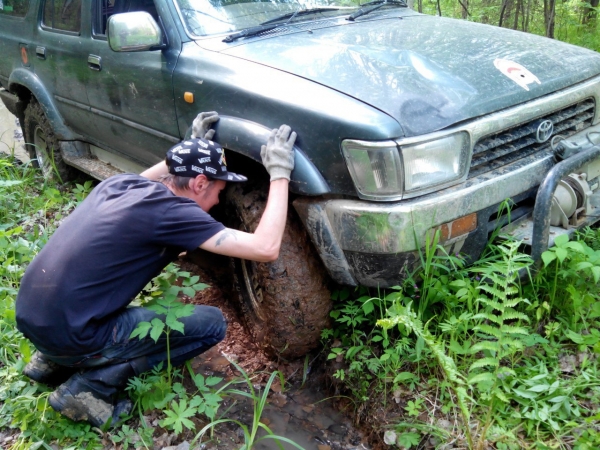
{"points": [[26, 85], [245, 137]]}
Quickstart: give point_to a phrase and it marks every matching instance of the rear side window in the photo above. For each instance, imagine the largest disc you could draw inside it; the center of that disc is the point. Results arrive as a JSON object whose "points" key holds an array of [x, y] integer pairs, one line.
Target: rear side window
{"points": [[62, 15], [15, 8]]}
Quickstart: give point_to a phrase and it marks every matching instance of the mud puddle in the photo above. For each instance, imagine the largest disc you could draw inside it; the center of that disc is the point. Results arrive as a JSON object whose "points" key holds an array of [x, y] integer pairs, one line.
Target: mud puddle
{"points": [[303, 414], [302, 411]]}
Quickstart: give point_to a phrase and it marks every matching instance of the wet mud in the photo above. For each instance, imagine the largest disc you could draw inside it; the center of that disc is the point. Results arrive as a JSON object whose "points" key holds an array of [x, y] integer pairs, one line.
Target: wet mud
{"points": [[285, 303], [303, 413]]}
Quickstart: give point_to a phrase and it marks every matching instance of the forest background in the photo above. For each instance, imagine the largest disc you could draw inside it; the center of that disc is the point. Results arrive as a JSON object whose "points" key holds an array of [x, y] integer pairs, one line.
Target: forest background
{"points": [[573, 21]]}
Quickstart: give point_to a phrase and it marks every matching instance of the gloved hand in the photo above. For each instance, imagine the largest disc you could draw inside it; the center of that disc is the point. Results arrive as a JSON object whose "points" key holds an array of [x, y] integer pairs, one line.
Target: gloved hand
{"points": [[278, 155], [202, 123]]}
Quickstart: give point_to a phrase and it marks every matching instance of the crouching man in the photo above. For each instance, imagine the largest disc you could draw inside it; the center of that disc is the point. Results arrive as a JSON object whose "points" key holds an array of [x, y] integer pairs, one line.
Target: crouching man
{"points": [[74, 296]]}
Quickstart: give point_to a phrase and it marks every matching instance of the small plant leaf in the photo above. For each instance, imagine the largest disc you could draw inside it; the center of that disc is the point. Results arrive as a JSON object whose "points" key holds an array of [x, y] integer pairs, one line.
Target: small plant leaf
{"points": [[548, 257], [141, 331], [157, 328], [409, 440], [561, 254]]}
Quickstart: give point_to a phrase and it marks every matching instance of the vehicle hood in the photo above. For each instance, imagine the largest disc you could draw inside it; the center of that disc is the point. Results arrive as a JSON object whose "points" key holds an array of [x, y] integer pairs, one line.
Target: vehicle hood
{"points": [[427, 72]]}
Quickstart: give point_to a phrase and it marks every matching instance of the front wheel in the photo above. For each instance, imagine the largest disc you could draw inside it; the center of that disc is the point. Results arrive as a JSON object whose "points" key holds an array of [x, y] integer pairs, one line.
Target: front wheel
{"points": [[285, 304], [42, 145]]}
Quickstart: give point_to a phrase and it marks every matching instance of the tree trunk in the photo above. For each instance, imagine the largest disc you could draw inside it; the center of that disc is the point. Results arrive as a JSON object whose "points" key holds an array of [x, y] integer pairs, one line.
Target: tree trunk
{"points": [[517, 11], [502, 11], [439, 8], [420, 5], [527, 16], [549, 12], [589, 13], [465, 8]]}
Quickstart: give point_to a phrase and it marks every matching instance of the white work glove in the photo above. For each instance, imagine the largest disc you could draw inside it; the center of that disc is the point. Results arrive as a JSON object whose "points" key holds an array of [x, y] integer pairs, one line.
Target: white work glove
{"points": [[202, 123], [278, 155]]}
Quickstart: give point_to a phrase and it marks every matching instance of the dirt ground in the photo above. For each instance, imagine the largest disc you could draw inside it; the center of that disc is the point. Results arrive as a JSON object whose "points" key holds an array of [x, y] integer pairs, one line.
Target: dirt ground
{"points": [[305, 411]]}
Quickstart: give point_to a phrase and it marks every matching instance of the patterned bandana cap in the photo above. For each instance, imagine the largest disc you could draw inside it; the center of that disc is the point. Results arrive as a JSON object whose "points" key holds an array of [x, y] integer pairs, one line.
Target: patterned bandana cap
{"points": [[194, 157]]}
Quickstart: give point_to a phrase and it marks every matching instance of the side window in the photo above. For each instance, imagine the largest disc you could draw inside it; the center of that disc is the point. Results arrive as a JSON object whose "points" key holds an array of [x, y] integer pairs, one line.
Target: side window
{"points": [[62, 15], [15, 8], [106, 8]]}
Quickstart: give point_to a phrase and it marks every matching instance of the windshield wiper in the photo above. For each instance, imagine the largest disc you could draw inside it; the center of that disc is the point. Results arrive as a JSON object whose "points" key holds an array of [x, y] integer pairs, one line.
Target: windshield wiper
{"points": [[269, 25], [250, 32], [300, 12], [377, 4]]}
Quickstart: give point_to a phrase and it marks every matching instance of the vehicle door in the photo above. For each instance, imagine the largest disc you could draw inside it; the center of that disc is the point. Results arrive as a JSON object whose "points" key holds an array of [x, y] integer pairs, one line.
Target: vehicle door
{"points": [[131, 93], [57, 59]]}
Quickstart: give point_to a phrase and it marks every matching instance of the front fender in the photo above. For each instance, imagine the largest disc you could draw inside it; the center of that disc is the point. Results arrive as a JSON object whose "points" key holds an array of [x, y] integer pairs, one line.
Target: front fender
{"points": [[246, 137], [24, 78]]}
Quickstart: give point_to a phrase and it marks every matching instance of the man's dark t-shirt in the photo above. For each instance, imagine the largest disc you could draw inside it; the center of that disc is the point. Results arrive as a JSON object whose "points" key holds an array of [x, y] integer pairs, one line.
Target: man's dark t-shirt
{"points": [[124, 233]]}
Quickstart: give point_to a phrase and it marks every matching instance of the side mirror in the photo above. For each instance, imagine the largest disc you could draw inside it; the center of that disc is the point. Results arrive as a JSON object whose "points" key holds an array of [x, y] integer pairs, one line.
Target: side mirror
{"points": [[133, 32]]}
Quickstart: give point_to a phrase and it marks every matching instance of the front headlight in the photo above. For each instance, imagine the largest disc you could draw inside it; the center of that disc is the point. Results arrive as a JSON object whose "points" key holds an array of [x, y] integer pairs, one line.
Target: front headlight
{"points": [[375, 168], [435, 163], [390, 171]]}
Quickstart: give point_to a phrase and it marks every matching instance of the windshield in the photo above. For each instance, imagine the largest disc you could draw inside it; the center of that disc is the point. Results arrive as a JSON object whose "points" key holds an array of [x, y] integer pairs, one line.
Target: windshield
{"points": [[204, 17]]}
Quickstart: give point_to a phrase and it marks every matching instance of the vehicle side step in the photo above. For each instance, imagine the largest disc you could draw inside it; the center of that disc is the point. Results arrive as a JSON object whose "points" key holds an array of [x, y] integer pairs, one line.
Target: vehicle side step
{"points": [[92, 166]]}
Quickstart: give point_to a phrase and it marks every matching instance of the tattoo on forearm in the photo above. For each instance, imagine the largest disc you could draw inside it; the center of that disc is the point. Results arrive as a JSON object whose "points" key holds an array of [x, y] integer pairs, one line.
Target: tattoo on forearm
{"points": [[224, 236]]}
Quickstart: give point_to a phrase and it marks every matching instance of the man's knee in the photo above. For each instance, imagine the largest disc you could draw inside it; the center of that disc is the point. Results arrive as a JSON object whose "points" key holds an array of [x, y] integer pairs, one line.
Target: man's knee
{"points": [[220, 322], [207, 320]]}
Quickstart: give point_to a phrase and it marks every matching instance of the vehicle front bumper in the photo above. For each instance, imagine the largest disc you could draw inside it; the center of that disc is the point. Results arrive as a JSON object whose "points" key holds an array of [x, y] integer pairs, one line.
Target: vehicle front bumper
{"points": [[377, 244]]}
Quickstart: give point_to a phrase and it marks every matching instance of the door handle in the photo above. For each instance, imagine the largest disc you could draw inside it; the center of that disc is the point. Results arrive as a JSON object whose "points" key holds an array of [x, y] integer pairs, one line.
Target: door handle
{"points": [[94, 62], [40, 52]]}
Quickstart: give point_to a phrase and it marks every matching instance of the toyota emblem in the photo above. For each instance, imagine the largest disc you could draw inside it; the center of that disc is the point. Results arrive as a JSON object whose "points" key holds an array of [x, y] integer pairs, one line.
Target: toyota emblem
{"points": [[544, 131]]}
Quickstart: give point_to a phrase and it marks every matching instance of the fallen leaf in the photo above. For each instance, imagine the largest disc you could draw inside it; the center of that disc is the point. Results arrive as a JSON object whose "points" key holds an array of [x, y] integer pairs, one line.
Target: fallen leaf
{"points": [[308, 408]]}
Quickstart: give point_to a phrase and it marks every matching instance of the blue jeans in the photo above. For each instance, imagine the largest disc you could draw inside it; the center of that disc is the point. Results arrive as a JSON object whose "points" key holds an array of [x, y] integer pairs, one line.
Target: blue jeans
{"points": [[202, 330]]}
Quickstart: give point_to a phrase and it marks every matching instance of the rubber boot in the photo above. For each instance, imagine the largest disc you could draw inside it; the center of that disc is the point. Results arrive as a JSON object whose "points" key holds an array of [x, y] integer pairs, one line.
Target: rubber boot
{"points": [[91, 395], [43, 370]]}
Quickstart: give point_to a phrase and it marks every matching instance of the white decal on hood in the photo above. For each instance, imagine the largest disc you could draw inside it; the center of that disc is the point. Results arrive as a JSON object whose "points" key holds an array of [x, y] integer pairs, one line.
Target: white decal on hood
{"points": [[516, 72]]}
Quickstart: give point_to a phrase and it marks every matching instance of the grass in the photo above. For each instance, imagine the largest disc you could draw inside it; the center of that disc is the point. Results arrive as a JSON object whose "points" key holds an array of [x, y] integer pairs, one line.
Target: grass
{"points": [[500, 363]]}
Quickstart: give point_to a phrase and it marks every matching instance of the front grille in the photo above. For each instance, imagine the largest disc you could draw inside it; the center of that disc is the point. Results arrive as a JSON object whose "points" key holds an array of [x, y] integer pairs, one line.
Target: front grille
{"points": [[506, 146]]}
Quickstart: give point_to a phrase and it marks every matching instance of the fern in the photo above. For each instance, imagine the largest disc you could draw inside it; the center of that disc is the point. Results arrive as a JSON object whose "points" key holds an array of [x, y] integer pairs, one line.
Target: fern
{"points": [[404, 315], [500, 323]]}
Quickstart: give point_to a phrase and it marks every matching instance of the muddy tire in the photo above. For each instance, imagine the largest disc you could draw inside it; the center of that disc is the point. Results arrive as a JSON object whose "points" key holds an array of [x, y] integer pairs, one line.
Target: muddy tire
{"points": [[285, 304], [43, 146]]}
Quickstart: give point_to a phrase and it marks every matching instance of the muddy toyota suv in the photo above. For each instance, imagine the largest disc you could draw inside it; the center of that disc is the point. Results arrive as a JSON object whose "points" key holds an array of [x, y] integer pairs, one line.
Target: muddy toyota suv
{"points": [[406, 123]]}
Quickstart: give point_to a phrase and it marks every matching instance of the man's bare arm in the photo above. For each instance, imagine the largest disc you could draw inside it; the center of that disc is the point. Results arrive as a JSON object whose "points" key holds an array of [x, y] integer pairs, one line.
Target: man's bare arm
{"points": [[156, 171], [264, 244]]}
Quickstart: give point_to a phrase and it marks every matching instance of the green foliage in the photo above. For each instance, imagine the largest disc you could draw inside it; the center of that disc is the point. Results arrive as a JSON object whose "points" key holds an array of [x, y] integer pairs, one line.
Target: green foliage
{"points": [[414, 408], [571, 269], [153, 391], [409, 440], [161, 295], [576, 22], [178, 416], [30, 209], [513, 351], [127, 437]]}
